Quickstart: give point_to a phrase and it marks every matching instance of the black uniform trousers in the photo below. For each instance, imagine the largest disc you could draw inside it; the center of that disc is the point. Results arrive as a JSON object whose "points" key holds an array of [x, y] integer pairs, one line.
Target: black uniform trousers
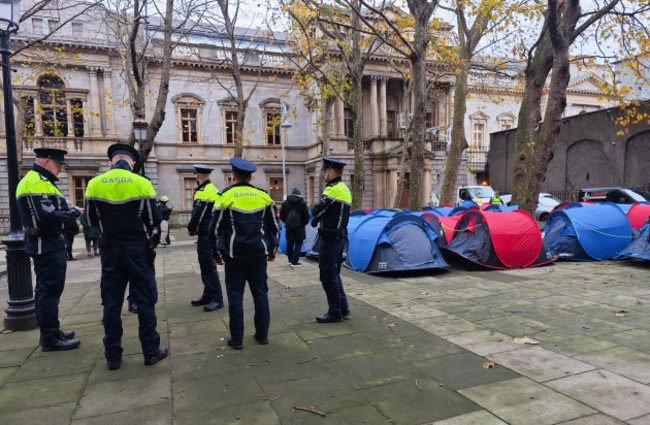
{"points": [[209, 275], [50, 271], [122, 264], [253, 270], [329, 262]]}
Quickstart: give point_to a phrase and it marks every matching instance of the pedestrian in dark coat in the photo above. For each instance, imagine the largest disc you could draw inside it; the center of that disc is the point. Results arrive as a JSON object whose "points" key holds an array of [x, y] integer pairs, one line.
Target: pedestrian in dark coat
{"points": [[295, 215], [70, 230], [91, 235]]}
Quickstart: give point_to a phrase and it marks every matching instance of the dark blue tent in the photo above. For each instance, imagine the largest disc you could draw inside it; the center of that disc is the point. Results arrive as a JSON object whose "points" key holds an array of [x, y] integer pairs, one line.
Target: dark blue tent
{"points": [[381, 243], [590, 232], [640, 247]]}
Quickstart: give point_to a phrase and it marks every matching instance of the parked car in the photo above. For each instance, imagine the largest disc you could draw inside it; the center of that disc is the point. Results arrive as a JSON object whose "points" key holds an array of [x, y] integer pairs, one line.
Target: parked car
{"points": [[545, 204], [618, 195]]}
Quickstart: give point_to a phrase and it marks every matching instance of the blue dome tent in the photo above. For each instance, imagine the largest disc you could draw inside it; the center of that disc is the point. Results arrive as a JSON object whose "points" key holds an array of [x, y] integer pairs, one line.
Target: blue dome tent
{"points": [[382, 242], [590, 232], [640, 247]]}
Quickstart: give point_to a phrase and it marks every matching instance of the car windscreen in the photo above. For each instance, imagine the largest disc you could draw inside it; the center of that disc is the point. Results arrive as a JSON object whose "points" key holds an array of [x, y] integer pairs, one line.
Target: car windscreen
{"points": [[481, 192]]}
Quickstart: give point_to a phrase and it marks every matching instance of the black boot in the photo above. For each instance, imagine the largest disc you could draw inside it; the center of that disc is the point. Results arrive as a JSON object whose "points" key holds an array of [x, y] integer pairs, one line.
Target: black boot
{"points": [[328, 318], [59, 344], [200, 301], [213, 306]]}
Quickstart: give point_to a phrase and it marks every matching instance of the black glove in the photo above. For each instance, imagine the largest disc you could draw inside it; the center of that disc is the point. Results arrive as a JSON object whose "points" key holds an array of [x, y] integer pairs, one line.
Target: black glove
{"points": [[314, 223]]}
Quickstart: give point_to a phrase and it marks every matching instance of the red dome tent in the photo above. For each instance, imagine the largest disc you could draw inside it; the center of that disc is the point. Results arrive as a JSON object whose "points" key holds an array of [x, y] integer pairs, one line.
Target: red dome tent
{"points": [[498, 240], [638, 214]]}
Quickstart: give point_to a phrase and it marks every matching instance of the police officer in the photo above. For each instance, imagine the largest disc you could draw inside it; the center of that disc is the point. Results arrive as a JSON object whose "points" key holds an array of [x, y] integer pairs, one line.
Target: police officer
{"points": [[43, 212], [244, 233], [496, 199], [205, 196], [123, 204], [333, 213]]}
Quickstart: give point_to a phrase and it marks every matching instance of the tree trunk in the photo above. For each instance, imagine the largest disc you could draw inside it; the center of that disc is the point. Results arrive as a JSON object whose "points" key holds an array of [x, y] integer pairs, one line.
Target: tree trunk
{"points": [[356, 102], [416, 175], [158, 116], [21, 111], [528, 127], [458, 140], [326, 122]]}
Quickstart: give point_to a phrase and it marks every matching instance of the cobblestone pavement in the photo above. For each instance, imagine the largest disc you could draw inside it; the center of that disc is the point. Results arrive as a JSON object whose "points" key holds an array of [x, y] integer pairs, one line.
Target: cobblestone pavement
{"points": [[417, 350]]}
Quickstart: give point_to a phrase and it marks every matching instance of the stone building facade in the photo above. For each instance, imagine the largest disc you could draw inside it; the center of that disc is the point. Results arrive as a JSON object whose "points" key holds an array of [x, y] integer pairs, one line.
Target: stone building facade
{"points": [[77, 100], [590, 151]]}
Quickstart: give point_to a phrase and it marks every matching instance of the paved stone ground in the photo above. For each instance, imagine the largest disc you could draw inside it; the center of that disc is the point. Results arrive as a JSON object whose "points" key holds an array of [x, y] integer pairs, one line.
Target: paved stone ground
{"points": [[413, 351]]}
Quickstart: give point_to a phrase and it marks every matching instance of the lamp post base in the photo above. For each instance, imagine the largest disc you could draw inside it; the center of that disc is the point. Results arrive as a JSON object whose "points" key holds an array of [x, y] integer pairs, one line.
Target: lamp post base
{"points": [[21, 312]]}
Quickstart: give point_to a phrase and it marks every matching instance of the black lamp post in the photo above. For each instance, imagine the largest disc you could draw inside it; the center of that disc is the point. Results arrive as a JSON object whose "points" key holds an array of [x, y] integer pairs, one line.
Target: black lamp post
{"points": [[140, 136], [20, 307]]}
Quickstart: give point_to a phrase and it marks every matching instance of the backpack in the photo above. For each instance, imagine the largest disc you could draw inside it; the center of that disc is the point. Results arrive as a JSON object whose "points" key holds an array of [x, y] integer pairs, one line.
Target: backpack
{"points": [[293, 220]]}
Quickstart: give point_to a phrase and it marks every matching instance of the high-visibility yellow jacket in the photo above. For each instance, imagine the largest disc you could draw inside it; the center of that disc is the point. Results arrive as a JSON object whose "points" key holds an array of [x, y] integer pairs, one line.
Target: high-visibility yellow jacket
{"points": [[244, 223], [205, 197], [124, 206], [43, 211], [333, 210]]}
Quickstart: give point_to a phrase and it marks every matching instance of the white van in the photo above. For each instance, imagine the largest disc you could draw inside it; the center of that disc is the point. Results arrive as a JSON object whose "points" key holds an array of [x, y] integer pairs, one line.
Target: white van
{"points": [[478, 194]]}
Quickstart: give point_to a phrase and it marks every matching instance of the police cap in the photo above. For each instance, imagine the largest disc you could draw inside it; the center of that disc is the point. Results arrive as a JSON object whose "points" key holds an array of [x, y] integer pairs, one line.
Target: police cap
{"points": [[332, 163], [202, 169], [242, 166], [55, 154], [123, 149]]}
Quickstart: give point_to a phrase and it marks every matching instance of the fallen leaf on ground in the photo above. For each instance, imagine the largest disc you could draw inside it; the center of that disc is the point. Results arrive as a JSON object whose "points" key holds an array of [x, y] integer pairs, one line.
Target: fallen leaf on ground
{"points": [[525, 340], [621, 313], [490, 365], [391, 325], [499, 340]]}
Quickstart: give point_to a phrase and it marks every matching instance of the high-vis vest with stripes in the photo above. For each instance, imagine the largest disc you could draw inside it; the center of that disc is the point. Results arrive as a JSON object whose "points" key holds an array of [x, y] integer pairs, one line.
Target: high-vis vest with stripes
{"points": [[205, 197], [43, 210], [244, 223], [123, 204]]}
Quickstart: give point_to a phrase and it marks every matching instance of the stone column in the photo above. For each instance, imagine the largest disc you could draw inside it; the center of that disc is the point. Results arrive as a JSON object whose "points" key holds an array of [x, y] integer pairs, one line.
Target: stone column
{"points": [[38, 118], [95, 109], [68, 106], [340, 117], [383, 126], [108, 103], [391, 185], [84, 107], [374, 125]]}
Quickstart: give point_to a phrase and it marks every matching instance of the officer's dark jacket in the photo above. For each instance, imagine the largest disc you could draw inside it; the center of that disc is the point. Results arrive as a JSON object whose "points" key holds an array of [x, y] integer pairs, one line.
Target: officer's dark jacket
{"points": [[43, 211], [124, 206], [244, 223], [205, 197], [333, 210]]}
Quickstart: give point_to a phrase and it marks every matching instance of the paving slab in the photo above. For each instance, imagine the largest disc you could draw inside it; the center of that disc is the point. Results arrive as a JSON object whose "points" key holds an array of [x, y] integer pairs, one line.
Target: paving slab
{"points": [[412, 352], [481, 417], [522, 401], [610, 393], [411, 402], [540, 364]]}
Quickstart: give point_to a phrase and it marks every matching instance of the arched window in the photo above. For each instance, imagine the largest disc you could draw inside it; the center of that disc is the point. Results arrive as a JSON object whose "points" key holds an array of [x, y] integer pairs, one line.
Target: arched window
{"points": [[54, 111], [506, 121], [271, 111], [228, 108]]}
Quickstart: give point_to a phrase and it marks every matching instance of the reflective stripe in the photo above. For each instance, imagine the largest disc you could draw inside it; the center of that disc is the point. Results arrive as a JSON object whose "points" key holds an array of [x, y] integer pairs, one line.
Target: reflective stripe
{"points": [[266, 249], [232, 237]]}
